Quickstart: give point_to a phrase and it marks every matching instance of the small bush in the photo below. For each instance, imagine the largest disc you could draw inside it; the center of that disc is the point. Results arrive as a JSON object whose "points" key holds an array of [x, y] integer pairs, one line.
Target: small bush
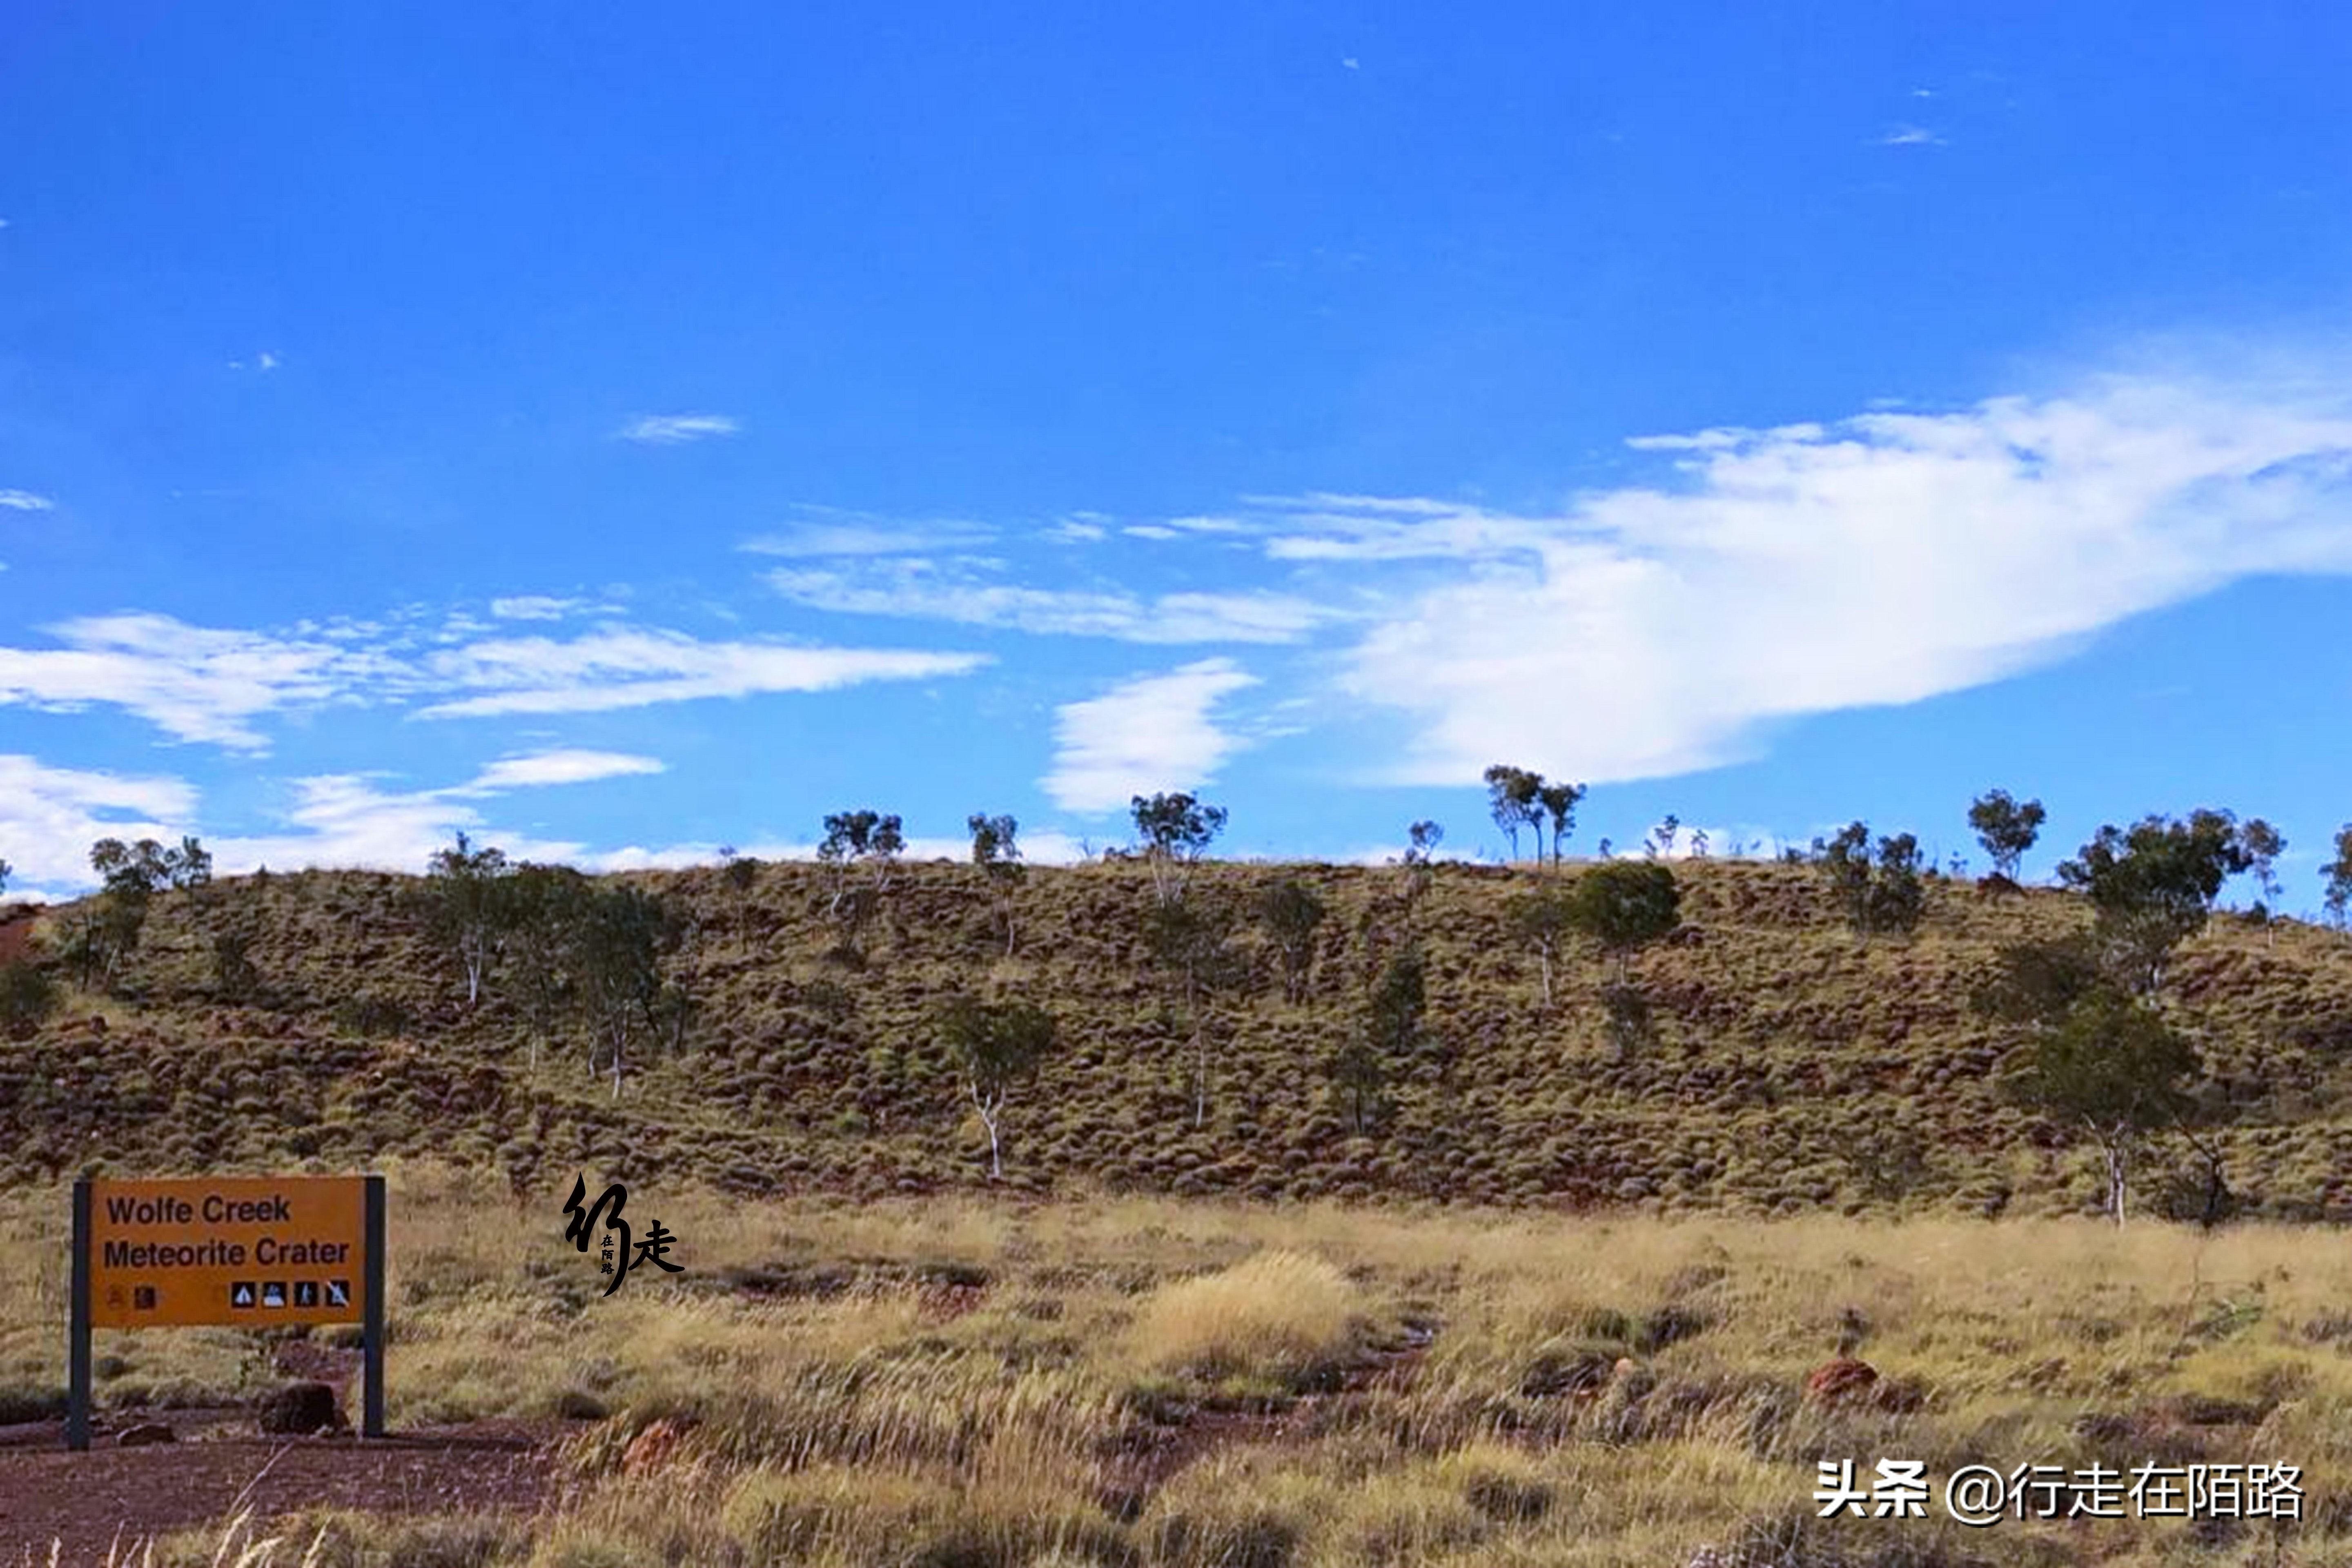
{"points": [[898, 1519], [1279, 1315], [341, 1538], [1670, 1325], [22, 1402], [578, 1404], [27, 998], [1501, 1483], [1576, 1366], [582, 1546], [368, 1013], [1247, 1537]]}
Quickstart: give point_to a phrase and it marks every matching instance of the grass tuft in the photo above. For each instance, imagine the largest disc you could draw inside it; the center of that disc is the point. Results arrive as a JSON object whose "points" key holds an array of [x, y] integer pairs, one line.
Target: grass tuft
{"points": [[1281, 1316]]}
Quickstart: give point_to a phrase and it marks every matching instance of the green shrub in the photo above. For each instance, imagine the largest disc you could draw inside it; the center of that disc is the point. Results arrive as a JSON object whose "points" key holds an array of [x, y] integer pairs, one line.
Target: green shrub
{"points": [[369, 1014], [27, 998], [22, 1402]]}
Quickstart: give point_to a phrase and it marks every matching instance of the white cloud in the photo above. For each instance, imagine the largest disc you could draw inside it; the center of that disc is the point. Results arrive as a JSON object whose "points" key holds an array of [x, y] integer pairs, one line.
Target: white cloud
{"points": [[207, 684], [669, 429], [1039, 846], [193, 683], [1144, 735], [1749, 843], [1076, 531], [50, 816], [1149, 530], [25, 501], [533, 607], [1647, 631], [627, 668], [346, 820], [558, 767], [350, 820], [852, 533], [1459, 534], [1910, 136], [920, 589]]}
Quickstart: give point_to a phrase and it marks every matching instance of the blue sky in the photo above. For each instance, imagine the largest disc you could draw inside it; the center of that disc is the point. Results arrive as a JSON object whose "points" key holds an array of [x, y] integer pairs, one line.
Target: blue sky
{"points": [[620, 431]]}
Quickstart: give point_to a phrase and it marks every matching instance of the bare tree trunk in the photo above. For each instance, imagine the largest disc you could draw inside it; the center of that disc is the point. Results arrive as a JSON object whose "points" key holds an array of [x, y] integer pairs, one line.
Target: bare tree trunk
{"points": [[988, 1120], [1200, 1072], [1544, 952], [2116, 1168]]}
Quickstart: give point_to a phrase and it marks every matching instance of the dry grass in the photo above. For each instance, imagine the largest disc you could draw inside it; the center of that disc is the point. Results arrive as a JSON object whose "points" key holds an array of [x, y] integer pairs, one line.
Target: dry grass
{"points": [[1074, 1407], [1278, 1316]]}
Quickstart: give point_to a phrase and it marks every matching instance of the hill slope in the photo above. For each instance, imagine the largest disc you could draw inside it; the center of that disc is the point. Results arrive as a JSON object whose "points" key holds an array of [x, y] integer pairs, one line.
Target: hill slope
{"points": [[1790, 1066]]}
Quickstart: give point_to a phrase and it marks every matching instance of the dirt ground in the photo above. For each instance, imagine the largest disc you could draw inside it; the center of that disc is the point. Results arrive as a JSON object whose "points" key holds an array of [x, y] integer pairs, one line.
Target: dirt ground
{"points": [[86, 1500]]}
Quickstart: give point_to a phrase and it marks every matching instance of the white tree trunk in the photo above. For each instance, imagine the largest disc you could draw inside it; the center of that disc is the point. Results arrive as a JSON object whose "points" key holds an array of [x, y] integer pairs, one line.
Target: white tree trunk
{"points": [[988, 1110], [1200, 1079], [2119, 1157]]}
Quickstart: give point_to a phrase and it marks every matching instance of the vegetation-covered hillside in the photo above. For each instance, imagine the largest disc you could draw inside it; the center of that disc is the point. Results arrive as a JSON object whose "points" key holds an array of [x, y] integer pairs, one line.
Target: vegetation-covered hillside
{"points": [[1768, 1057]]}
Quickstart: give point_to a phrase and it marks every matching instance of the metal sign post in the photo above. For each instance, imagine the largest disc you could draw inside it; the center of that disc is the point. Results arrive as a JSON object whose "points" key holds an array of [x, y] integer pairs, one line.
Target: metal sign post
{"points": [[77, 1347], [372, 1323]]}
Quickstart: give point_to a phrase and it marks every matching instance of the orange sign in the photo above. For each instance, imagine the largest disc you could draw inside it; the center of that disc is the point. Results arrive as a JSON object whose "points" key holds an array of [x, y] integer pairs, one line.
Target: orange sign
{"points": [[245, 1251]]}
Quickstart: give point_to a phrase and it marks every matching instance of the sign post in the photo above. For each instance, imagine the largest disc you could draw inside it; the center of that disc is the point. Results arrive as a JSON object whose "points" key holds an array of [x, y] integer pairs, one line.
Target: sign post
{"points": [[77, 1351], [234, 1251], [371, 1327]]}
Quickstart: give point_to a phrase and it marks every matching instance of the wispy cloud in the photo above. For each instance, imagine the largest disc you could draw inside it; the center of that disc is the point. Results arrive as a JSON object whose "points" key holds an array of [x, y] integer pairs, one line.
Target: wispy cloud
{"points": [[192, 682], [671, 429], [1363, 529], [624, 667], [534, 607], [849, 533], [25, 501], [922, 590], [537, 768], [1802, 569], [1039, 846], [352, 820], [50, 816], [1910, 136], [355, 820], [1151, 734], [213, 685]]}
